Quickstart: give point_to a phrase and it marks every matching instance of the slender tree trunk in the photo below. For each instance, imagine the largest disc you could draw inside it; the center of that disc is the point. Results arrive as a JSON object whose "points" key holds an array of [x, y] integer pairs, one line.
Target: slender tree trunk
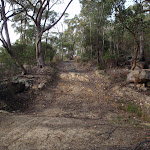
{"points": [[141, 49], [114, 46], [21, 37], [45, 49], [135, 59], [91, 40], [136, 51], [103, 45], [91, 52], [25, 26], [97, 45], [62, 54], [117, 47], [111, 45], [134, 44], [39, 54], [99, 18], [142, 46], [46, 41]]}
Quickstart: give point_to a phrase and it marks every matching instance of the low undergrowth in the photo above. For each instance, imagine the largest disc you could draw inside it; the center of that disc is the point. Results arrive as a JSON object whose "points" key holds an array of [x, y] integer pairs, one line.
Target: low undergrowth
{"points": [[132, 108]]}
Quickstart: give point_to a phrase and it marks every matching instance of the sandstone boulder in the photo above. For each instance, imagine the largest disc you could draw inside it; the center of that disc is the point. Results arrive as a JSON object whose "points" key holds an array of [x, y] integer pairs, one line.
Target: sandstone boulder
{"points": [[139, 76]]}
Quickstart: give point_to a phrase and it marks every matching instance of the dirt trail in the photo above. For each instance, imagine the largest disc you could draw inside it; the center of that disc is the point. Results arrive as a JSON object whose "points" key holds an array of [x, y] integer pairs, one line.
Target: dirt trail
{"points": [[72, 113]]}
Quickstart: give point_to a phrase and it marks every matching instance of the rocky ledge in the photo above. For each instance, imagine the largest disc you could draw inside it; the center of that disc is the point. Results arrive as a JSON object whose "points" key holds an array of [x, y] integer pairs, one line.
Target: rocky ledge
{"points": [[139, 77]]}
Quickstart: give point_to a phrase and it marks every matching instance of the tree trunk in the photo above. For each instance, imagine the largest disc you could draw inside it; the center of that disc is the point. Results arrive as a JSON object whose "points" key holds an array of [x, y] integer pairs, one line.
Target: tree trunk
{"points": [[21, 36], [111, 45], [117, 47], [135, 59], [91, 53], [136, 53], [99, 18], [103, 44], [39, 54], [114, 46], [45, 48], [97, 45], [142, 46], [62, 53], [25, 26], [141, 36], [91, 40]]}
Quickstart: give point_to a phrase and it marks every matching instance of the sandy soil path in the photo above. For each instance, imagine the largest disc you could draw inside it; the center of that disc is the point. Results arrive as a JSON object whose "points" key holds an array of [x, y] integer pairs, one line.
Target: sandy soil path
{"points": [[71, 113]]}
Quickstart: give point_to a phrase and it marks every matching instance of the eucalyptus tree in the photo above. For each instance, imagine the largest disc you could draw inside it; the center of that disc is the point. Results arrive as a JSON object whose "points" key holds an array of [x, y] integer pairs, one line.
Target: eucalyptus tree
{"points": [[4, 33], [144, 6], [132, 19], [96, 12], [71, 35], [36, 10]]}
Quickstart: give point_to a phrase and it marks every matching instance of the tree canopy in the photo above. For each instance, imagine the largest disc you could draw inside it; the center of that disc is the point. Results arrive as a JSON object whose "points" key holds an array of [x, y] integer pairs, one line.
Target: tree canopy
{"points": [[102, 32]]}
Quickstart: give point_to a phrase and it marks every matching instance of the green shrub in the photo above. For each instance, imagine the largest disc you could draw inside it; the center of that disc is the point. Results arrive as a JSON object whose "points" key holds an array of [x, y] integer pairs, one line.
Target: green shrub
{"points": [[101, 66], [133, 108], [25, 54], [85, 57], [108, 56], [48, 51]]}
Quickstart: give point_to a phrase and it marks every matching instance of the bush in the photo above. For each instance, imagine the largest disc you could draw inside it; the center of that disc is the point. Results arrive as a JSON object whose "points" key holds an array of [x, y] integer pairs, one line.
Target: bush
{"points": [[109, 59], [48, 51], [26, 54], [101, 66], [7, 65], [85, 57], [108, 56]]}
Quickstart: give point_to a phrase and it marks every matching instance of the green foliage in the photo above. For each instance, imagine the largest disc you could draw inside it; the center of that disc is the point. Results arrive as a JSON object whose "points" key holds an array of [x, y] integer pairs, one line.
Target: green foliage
{"points": [[130, 106], [85, 57], [25, 53], [101, 66], [5, 59], [108, 55], [7, 65], [49, 51], [133, 108], [93, 31]]}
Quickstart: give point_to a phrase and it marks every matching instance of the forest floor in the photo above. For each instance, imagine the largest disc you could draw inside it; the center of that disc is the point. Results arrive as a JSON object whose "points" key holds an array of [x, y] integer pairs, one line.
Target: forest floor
{"points": [[73, 112]]}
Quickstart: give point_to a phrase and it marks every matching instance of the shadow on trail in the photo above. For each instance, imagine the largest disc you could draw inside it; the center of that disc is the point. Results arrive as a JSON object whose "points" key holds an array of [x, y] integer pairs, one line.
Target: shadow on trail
{"points": [[14, 97]]}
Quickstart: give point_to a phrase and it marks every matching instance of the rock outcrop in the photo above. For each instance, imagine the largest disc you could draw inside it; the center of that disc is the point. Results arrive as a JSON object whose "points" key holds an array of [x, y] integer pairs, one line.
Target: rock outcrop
{"points": [[139, 76], [9, 91]]}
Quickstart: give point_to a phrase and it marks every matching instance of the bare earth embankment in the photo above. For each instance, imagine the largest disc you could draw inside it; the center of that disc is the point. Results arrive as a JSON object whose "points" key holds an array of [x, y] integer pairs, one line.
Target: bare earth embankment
{"points": [[75, 112]]}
